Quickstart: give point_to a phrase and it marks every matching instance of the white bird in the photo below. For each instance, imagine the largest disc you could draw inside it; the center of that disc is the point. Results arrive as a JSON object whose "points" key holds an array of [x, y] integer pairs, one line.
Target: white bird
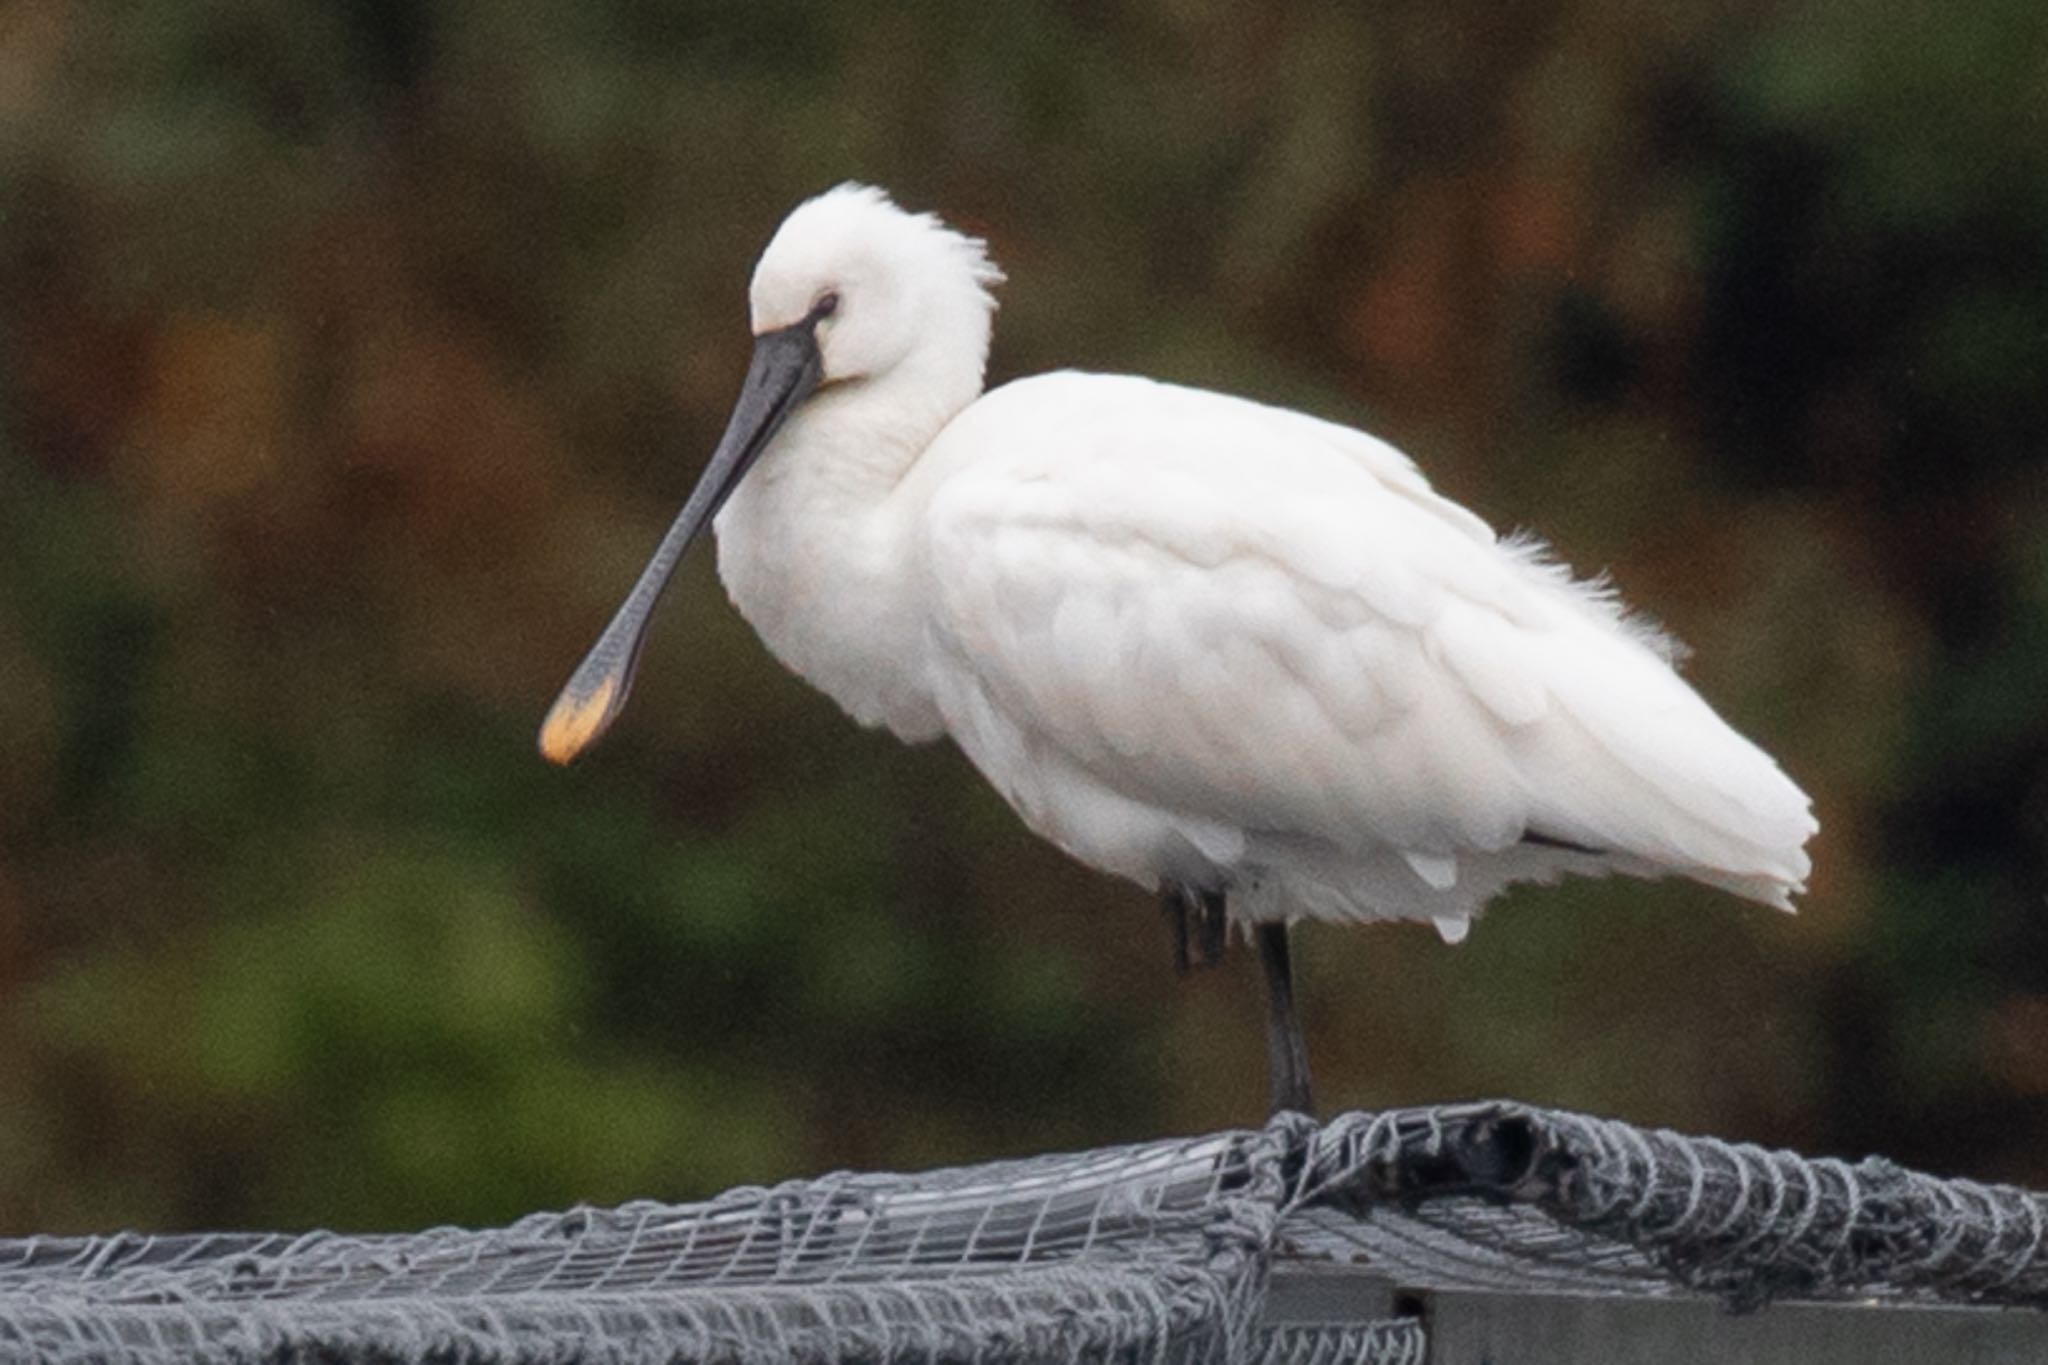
{"points": [[1233, 653]]}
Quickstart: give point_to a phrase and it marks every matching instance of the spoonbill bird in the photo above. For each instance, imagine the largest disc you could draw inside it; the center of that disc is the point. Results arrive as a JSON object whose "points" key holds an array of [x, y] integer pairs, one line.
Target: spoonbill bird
{"points": [[1241, 656]]}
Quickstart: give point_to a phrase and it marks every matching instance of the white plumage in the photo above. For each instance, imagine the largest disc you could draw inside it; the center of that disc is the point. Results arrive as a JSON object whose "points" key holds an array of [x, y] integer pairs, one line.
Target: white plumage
{"points": [[1196, 640]]}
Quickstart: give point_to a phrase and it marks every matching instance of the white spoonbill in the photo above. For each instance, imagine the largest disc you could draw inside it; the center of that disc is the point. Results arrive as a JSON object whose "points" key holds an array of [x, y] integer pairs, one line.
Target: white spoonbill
{"points": [[1236, 654]]}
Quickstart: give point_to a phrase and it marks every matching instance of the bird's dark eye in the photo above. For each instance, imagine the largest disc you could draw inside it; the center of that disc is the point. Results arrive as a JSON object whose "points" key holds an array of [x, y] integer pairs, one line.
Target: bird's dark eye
{"points": [[826, 306]]}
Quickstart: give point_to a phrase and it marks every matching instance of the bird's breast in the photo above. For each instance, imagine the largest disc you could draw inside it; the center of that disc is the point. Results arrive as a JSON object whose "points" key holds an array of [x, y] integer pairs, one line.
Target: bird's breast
{"points": [[825, 587]]}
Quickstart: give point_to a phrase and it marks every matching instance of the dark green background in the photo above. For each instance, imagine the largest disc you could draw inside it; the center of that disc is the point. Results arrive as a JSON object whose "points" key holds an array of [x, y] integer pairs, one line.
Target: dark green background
{"points": [[352, 357]]}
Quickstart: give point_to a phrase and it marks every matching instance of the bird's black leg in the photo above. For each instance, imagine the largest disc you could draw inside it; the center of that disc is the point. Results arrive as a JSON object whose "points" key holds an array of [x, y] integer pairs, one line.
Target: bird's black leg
{"points": [[1215, 926], [1285, 1050], [1173, 903], [1176, 902]]}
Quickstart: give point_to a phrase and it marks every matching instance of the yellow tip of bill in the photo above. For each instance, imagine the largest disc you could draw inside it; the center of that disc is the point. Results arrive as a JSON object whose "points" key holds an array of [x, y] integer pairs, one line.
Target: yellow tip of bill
{"points": [[574, 722]]}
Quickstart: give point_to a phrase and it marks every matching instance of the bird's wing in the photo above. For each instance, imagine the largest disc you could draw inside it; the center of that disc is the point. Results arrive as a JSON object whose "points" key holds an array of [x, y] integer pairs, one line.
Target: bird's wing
{"points": [[1273, 623]]}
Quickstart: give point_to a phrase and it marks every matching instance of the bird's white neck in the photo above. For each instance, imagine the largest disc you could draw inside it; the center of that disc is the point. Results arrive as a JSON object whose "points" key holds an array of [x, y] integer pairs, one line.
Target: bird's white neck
{"points": [[814, 545]]}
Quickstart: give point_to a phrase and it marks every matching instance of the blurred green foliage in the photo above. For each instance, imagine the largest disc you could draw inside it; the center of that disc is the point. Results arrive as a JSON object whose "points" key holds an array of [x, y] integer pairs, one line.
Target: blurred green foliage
{"points": [[352, 356]]}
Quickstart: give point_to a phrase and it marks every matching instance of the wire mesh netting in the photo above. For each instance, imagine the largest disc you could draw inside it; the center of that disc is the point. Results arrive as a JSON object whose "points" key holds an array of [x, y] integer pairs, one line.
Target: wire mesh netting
{"points": [[1161, 1251]]}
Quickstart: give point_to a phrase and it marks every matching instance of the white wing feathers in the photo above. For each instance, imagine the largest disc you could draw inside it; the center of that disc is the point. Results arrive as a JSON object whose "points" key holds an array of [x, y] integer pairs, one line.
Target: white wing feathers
{"points": [[1271, 633]]}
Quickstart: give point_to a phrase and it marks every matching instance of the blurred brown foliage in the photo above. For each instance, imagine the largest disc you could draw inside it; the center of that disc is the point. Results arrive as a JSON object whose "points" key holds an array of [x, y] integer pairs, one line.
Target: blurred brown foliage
{"points": [[352, 355]]}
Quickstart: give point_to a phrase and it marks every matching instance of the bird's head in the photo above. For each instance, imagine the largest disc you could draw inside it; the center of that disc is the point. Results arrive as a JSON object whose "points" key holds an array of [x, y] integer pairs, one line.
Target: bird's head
{"points": [[852, 291], [873, 288]]}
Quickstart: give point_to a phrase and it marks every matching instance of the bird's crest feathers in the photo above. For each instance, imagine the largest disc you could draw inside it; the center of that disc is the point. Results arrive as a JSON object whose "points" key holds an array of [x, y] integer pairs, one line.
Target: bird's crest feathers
{"points": [[858, 228]]}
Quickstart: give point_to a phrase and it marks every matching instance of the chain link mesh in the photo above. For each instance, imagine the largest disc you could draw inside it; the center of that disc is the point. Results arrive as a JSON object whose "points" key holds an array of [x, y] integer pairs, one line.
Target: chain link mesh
{"points": [[1160, 1251]]}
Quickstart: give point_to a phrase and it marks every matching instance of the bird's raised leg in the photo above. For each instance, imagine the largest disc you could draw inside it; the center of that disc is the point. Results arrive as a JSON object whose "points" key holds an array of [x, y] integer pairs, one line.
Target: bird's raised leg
{"points": [[1175, 902], [1215, 927], [1285, 1051]]}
